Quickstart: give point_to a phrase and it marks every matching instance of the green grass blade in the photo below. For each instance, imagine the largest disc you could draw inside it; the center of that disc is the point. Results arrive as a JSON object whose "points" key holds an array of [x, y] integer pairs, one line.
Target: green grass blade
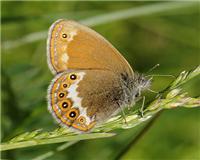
{"points": [[45, 138], [105, 18], [52, 152], [174, 98]]}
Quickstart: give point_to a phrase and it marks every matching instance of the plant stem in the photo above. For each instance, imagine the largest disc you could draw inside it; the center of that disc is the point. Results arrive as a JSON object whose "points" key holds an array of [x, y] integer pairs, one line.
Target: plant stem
{"points": [[9, 146]]}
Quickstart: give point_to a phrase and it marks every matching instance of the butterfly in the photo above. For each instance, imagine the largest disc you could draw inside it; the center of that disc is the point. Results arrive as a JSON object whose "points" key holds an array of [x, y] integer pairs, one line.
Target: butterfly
{"points": [[92, 82]]}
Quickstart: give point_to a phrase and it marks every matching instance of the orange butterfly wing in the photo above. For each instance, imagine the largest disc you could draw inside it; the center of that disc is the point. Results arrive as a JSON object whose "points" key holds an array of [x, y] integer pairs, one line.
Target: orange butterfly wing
{"points": [[65, 103], [74, 46]]}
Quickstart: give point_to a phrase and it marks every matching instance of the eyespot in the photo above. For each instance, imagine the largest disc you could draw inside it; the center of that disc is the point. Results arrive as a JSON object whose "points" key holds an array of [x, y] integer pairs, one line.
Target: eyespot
{"points": [[64, 35], [73, 77], [72, 114], [65, 104], [82, 120], [65, 85], [61, 95]]}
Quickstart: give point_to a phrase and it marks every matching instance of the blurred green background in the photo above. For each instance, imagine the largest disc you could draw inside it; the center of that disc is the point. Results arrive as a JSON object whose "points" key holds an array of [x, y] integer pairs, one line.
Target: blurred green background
{"points": [[170, 38]]}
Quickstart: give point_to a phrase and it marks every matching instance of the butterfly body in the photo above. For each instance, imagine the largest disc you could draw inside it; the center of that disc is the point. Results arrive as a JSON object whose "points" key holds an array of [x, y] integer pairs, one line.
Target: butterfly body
{"points": [[93, 81]]}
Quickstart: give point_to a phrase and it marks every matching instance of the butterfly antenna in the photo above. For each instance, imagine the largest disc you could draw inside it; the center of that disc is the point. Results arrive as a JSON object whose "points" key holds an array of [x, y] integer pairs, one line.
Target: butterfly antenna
{"points": [[154, 67], [161, 75], [158, 75], [150, 90]]}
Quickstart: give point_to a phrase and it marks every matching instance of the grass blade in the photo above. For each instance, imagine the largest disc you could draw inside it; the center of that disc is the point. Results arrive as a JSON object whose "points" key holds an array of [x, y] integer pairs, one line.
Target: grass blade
{"points": [[104, 18], [174, 98]]}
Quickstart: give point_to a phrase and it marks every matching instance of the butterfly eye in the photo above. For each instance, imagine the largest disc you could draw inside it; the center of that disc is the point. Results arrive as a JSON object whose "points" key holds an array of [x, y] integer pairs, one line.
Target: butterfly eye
{"points": [[137, 94], [73, 77], [64, 35]]}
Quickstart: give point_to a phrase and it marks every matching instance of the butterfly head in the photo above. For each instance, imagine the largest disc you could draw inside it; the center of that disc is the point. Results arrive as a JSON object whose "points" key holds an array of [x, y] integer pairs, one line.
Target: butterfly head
{"points": [[141, 83], [133, 86]]}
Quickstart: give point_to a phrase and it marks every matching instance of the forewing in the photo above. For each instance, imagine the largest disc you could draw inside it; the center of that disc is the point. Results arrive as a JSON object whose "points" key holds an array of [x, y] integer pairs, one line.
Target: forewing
{"points": [[75, 46]]}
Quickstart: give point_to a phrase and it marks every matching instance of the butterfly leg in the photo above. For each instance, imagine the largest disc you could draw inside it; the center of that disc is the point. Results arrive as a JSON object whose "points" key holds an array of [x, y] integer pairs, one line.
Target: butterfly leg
{"points": [[123, 114], [142, 108], [129, 107]]}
